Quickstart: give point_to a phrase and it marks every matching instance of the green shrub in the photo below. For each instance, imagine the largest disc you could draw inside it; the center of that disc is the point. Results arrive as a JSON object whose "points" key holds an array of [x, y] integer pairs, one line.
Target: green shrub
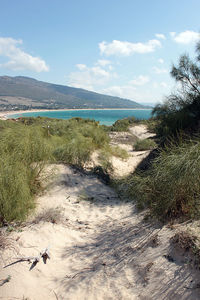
{"points": [[123, 125], [146, 144], [97, 134], [171, 188], [28, 144], [118, 152], [15, 193], [23, 152], [76, 151]]}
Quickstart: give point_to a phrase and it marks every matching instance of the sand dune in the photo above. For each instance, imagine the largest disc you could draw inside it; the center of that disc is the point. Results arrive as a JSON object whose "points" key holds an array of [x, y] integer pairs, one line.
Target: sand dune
{"points": [[100, 247]]}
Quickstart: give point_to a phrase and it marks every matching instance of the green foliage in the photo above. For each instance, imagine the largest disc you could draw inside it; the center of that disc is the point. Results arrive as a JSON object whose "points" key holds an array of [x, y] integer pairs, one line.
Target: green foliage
{"points": [[76, 151], [118, 152], [122, 125], [181, 111], [171, 188], [23, 154], [15, 193], [28, 144], [146, 144]]}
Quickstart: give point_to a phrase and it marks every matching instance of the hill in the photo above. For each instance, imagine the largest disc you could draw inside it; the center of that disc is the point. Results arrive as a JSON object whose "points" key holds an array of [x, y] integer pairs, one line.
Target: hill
{"points": [[25, 93]]}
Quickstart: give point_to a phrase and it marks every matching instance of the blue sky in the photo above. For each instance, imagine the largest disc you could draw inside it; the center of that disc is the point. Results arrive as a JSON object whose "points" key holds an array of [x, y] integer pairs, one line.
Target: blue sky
{"points": [[121, 48]]}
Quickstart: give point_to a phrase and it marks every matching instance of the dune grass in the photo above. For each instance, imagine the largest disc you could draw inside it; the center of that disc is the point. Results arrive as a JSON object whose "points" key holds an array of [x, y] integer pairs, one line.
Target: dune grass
{"points": [[171, 187], [27, 145], [146, 144]]}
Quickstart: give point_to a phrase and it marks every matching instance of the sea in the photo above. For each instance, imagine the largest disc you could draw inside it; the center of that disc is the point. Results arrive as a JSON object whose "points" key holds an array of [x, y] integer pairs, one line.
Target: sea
{"points": [[104, 116]]}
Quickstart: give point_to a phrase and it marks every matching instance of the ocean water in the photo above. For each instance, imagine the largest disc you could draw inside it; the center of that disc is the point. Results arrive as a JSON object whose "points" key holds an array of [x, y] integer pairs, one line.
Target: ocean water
{"points": [[106, 117]]}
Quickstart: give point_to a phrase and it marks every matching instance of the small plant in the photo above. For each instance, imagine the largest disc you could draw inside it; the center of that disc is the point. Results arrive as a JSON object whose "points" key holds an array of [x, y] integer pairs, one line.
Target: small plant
{"points": [[188, 243], [146, 144]]}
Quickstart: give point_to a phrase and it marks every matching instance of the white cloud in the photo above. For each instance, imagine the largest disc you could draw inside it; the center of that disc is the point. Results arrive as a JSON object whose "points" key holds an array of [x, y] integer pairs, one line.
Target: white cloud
{"points": [[140, 80], [185, 37], [119, 91], [161, 61], [103, 62], [98, 71], [160, 36], [18, 59], [81, 66], [131, 92], [127, 48], [90, 78], [159, 70]]}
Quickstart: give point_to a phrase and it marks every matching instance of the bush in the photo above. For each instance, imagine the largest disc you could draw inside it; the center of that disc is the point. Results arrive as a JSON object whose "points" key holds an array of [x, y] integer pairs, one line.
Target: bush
{"points": [[123, 125], [171, 188], [146, 144], [76, 151], [23, 153], [181, 111], [15, 193], [28, 144]]}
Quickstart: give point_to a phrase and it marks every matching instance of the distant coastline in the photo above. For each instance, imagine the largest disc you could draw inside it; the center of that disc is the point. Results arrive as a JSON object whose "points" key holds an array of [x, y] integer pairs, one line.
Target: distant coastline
{"points": [[4, 115]]}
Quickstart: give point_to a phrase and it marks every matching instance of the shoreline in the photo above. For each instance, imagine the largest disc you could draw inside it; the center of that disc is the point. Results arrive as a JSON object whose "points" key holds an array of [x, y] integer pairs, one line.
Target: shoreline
{"points": [[4, 115]]}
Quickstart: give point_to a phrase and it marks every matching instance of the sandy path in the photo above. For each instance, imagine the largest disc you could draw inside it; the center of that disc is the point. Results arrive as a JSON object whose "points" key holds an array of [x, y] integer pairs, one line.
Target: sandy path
{"points": [[126, 140], [100, 249], [141, 132]]}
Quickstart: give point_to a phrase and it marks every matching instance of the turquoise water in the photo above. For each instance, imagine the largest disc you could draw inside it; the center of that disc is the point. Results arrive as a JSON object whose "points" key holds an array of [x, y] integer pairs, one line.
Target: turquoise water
{"points": [[106, 117]]}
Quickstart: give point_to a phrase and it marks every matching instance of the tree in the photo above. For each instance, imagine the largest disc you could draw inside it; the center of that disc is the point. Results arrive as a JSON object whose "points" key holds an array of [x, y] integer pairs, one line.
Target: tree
{"points": [[181, 110]]}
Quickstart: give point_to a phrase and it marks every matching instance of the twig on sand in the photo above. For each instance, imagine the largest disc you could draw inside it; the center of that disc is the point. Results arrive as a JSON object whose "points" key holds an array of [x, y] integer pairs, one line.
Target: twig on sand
{"points": [[32, 259]]}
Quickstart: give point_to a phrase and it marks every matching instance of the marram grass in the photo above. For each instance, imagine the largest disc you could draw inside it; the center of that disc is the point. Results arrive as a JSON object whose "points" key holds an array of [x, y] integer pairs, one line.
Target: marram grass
{"points": [[25, 148], [171, 187]]}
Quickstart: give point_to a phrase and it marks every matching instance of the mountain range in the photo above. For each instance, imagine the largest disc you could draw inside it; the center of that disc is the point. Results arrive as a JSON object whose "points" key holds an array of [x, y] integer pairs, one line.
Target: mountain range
{"points": [[26, 93]]}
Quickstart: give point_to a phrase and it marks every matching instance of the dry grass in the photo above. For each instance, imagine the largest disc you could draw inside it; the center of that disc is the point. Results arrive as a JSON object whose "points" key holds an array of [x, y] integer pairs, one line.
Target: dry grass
{"points": [[188, 244]]}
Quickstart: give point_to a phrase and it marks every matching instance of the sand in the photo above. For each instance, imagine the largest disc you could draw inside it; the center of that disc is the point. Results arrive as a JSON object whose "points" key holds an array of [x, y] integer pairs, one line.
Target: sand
{"points": [[100, 248], [125, 140]]}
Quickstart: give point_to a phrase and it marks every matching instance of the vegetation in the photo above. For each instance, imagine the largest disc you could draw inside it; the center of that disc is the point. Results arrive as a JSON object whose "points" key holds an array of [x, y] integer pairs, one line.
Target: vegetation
{"points": [[28, 144], [170, 187], [123, 125], [146, 144], [181, 111]]}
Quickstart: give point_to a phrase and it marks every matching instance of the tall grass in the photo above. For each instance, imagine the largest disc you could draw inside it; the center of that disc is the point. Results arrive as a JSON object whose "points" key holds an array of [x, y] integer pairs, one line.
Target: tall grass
{"points": [[142, 145], [27, 145], [123, 125], [23, 154], [171, 188]]}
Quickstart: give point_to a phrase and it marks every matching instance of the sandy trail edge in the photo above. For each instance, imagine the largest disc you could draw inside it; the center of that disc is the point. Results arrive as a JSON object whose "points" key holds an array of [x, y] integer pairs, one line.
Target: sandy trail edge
{"points": [[100, 249]]}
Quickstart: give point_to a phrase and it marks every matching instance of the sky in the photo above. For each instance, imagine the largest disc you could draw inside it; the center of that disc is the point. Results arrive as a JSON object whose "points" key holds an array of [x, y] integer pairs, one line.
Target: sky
{"points": [[122, 48]]}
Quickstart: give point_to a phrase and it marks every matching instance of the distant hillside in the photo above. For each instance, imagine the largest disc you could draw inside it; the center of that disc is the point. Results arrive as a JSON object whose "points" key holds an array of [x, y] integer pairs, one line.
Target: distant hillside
{"points": [[25, 93]]}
